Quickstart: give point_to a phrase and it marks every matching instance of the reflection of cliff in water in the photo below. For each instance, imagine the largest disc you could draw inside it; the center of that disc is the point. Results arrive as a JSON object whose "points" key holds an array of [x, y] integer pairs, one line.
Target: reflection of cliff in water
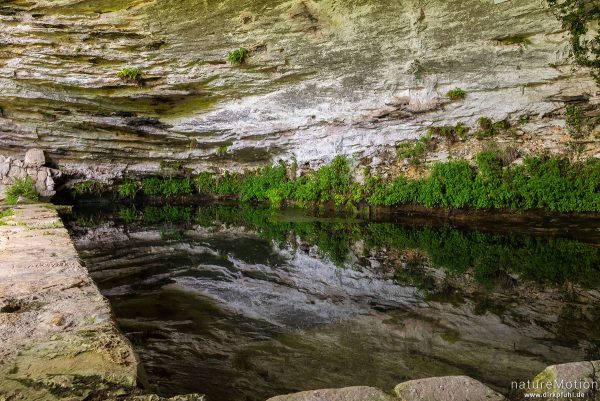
{"points": [[245, 304]]}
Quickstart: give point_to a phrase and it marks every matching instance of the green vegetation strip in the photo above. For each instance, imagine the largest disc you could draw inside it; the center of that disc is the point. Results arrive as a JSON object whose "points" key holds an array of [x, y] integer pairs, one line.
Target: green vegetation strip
{"points": [[540, 182]]}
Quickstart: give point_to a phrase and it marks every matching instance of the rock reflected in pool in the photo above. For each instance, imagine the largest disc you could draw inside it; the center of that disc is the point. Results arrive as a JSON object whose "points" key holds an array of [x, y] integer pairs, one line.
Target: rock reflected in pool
{"points": [[245, 303]]}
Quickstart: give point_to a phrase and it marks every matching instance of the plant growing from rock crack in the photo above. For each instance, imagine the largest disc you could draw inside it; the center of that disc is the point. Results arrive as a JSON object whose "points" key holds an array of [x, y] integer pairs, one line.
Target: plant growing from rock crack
{"points": [[489, 128], [222, 150], [577, 17], [238, 57], [25, 188], [574, 120], [414, 152], [456, 94], [131, 75]]}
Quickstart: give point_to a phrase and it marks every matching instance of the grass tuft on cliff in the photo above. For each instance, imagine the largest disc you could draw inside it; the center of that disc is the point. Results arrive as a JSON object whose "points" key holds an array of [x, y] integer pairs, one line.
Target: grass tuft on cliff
{"points": [[24, 188], [238, 56], [131, 74], [456, 94]]}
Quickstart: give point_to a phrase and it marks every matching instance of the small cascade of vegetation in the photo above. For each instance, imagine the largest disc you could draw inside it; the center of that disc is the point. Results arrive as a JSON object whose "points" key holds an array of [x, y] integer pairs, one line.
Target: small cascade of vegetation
{"points": [[539, 182], [577, 17]]}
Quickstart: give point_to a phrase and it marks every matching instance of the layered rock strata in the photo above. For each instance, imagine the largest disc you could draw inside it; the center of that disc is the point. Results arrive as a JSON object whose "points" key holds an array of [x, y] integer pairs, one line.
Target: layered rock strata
{"points": [[321, 79]]}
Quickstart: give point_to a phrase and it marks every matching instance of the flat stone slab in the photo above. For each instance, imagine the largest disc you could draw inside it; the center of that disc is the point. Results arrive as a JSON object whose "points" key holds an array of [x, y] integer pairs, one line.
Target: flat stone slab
{"points": [[448, 388], [359, 393], [58, 339]]}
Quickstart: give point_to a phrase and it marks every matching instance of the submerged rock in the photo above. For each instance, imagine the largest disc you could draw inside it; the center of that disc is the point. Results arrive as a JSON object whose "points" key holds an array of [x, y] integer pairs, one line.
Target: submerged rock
{"points": [[448, 388]]}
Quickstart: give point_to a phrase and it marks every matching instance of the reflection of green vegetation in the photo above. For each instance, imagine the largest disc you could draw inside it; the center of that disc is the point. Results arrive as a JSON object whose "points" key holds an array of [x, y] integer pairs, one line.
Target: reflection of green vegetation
{"points": [[24, 187], [489, 258]]}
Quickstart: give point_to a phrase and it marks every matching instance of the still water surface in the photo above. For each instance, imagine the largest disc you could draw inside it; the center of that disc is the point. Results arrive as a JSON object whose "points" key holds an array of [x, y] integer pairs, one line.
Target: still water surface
{"points": [[244, 304]]}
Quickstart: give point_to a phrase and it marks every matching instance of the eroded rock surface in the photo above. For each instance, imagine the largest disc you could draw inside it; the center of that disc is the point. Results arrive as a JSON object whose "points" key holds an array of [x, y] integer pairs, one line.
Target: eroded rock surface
{"points": [[322, 78]]}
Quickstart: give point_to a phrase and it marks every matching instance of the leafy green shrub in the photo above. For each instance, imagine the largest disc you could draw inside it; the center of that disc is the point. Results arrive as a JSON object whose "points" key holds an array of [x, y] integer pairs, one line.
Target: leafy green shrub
{"points": [[24, 187], [238, 56], [269, 183], [456, 94], [167, 187], [541, 182], [128, 188]]}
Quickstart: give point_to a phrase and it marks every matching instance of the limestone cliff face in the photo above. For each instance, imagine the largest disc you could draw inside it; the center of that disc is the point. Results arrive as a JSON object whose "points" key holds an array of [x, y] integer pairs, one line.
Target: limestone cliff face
{"points": [[322, 78]]}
